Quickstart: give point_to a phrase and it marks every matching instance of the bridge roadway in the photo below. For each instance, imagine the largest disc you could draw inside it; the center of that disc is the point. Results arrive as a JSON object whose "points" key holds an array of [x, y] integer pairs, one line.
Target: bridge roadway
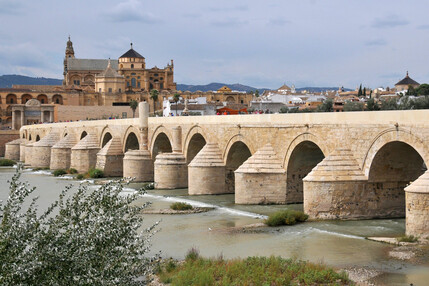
{"points": [[350, 165]]}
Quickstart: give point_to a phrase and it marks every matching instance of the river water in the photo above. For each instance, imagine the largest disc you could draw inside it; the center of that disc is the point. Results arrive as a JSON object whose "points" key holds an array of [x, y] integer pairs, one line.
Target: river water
{"points": [[340, 244]]}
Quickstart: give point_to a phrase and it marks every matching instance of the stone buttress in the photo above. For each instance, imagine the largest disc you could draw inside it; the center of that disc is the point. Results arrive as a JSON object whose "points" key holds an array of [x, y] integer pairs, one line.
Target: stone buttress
{"points": [[110, 158], [28, 148], [261, 179], [41, 151], [61, 152], [84, 153], [336, 189], [22, 150], [206, 172], [170, 169], [417, 207], [12, 149]]}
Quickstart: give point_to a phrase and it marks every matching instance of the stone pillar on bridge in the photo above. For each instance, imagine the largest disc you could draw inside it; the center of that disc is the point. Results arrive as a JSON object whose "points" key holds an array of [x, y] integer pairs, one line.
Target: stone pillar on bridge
{"points": [[110, 158], [84, 154], [41, 150], [206, 172], [170, 169], [61, 152], [261, 179], [12, 149], [22, 150], [27, 153], [138, 164], [417, 207], [336, 189]]}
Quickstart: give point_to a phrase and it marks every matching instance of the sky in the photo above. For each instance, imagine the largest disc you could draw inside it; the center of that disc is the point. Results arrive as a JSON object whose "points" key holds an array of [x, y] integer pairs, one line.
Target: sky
{"points": [[263, 44]]}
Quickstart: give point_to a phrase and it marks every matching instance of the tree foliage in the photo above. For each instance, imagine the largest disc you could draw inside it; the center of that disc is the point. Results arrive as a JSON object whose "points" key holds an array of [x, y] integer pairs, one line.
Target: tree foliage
{"points": [[372, 105], [154, 96], [133, 106], [353, 106], [91, 237], [326, 106], [176, 98]]}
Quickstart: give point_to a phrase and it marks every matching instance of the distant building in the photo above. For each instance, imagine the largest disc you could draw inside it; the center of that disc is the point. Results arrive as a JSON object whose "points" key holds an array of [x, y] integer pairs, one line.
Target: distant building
{"points": [[405, 83]]}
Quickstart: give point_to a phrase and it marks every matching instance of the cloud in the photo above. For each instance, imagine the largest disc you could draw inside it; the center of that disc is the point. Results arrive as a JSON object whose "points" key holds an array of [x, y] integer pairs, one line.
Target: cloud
{"points": [[376, 42], [391, 21], [228, 22], [10, 7], [278, 22], [423, 27], [131, 11]]}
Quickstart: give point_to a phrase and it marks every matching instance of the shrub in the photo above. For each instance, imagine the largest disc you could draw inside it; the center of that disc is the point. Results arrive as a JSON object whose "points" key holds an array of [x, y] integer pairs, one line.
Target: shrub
{"points": [[407, 238], [149, 186], [96, 236], [59, 172], [95, 173], [286, 217], [179, 206], [7, 162], [72, 171], [79, 176], [192, 254]]}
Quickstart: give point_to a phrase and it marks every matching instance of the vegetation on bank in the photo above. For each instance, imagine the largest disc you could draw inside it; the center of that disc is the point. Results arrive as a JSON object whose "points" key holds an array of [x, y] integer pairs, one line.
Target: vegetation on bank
{"points": [[286, 217], [95, 234], [7, 162], [196, 270], [179, 206], [408, 238]]}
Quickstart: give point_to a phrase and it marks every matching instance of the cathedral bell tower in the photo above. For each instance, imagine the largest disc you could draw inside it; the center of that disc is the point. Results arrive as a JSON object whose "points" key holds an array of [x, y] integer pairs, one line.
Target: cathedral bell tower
{"points": [[69, 54]]}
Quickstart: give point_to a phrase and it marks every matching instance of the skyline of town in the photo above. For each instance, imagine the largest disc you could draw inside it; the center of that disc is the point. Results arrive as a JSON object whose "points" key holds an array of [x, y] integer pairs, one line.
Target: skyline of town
{"points": [[305, 43]]}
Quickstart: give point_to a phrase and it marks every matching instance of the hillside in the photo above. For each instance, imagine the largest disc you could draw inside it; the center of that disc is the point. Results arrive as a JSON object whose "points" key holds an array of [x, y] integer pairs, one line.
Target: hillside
{"points": [[9, 80], [215, 86]]}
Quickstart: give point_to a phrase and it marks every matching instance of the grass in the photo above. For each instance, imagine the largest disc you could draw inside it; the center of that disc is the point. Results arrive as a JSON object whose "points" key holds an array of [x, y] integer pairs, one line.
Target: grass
{"points": [[80, 176], [7, 162], [95, 173], [407, 238], [179, 206], [286, 217], [59, 172], [250, 271]]}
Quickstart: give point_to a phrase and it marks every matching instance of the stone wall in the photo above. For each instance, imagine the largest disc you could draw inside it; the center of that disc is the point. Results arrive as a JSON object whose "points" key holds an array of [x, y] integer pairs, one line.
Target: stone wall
{"points": [[67, 112], [7, 136]]}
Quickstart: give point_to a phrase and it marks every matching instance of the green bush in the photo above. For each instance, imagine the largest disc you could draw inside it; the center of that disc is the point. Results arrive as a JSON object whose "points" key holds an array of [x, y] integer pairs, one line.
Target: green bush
{"points": [[7, 162], [408, 238], [251, 271], [192, 254], [59, 172], [179, 206], [149, 186], [72, 171], [95, 173], [79, 176], [286, 217]]}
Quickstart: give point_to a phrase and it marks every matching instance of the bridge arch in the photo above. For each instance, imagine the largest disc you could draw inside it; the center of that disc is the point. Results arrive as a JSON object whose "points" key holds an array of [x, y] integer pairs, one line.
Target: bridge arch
{"points": [[161, 141], [37, 137], [83, 134], [194, 141], [302, 155], [237, 151], [391, 135], [127, 142]]}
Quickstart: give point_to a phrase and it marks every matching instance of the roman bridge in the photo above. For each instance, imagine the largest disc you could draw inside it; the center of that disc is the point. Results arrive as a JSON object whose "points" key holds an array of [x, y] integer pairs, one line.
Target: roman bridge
{"points": [[351, 165]]}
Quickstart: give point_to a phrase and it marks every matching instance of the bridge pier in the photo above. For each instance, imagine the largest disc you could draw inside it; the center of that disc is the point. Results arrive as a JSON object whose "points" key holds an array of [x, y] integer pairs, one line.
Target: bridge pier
{"points": [[417, 207], [261, 179], [110, 158], [41, 157], [28, 152], [206, 172], [22, 150], [170, 169], [336, 189], [61, 153], [12, 149], [84, 154]]}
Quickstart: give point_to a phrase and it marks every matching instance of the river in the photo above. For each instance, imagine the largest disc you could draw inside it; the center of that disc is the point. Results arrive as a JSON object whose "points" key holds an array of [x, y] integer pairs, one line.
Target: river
{"points": [[340, 244]]}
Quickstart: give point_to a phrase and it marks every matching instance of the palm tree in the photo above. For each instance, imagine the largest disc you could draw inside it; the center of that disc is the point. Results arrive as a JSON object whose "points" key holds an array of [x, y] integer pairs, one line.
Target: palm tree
{"points": [[176, 98], [133, 106], [154, 95]]}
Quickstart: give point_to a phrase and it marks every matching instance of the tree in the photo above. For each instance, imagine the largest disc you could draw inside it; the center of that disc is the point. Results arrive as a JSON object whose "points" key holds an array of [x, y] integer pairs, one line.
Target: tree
{"points": [[284, 109], [257, 93], [364, 92], [91, 237], [176, 98], [411, 90], [154, 96], [389, 104], [353, 106], [326, 106], [360, 91], [371, 105], [423, 89], [133, 106]]}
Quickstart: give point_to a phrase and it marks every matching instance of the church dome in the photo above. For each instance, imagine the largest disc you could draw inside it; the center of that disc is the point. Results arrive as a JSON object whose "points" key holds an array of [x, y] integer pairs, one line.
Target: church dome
{"points": [[131, 53]]}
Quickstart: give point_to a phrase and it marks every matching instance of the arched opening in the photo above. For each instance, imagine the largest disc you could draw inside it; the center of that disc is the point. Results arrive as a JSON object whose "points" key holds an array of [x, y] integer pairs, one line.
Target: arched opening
{"points": [[46, 116], [57, 99], [65, 134], [25, 98], [83, 135], [394, 166], [29, 137], [230, 99], [132, 142], [161, 145], [195, 145], [23, 136], [42, 98], [37, 138], [304, 157], [107, 137], [133, 82], [238, 153], [11, 99]]}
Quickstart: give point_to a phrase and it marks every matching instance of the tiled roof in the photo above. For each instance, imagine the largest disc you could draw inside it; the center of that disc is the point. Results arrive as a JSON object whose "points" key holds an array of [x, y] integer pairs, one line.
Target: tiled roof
{"points": [[90, 64], [131, 53], [407, 81]]}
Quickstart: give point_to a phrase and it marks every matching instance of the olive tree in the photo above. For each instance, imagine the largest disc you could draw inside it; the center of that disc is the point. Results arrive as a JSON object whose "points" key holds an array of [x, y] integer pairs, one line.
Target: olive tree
{"points": [[89, 237]]}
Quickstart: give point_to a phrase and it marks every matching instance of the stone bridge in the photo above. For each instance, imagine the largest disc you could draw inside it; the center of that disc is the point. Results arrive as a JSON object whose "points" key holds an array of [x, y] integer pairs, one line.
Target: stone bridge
{"points": [[351, 165]]}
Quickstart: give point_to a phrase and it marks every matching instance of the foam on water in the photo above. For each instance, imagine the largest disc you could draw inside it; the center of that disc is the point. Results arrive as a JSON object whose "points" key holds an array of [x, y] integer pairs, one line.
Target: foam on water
{"points": [[334, 233], [40, 172], [66, 177]]}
